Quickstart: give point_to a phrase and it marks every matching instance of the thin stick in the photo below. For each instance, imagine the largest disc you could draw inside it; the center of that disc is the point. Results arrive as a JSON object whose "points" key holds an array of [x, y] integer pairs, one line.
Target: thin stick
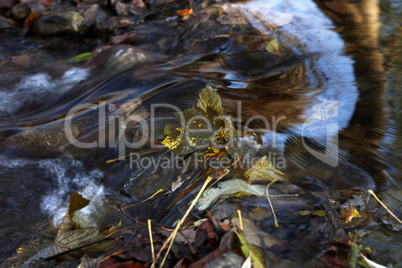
{"points": [[386, 173], [240, 219], [143, 201], [171, 243], [382, 204], [76, 248], [128, 216], [270, 203], [184, 217], [152, 243]]}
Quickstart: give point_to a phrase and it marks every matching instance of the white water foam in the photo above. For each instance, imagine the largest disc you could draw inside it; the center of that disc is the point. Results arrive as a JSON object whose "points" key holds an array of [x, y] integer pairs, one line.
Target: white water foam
{"points": [[39, 88], [71, 175]]}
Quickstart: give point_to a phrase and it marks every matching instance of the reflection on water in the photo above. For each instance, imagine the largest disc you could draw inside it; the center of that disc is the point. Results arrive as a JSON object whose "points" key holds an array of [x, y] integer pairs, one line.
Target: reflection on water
{"points": [[337, 78]]}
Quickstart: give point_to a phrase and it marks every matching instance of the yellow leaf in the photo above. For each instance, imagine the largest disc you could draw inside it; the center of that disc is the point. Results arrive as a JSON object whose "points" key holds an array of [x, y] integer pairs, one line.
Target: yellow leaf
{"points": [[321, 213], [185, 13], [263, 170], [350, 214]]}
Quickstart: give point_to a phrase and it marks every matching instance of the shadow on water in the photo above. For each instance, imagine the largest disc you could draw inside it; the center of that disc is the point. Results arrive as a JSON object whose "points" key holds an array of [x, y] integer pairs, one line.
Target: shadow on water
{"points": [[335, 68]]}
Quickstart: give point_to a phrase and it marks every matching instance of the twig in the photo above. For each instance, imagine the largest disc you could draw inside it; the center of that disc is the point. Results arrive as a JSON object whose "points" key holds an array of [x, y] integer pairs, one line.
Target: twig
{"points": [[152, 243], [76, 248], [382, 204], [270, 203], [128, 216], [184, 217], [171, 243], [240, 219]]}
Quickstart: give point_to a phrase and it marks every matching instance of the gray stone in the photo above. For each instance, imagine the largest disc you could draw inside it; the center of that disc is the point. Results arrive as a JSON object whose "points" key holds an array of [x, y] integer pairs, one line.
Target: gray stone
{"points": [[20, 11], [69, 22]]}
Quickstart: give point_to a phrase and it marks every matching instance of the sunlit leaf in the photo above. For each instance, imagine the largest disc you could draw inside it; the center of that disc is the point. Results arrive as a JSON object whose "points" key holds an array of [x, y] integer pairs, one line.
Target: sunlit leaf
{"points": [[350, 214], [304, 212], [185, 13], [201, 126], [81, 57], [264, 170], [273, 46], [209, 97]]}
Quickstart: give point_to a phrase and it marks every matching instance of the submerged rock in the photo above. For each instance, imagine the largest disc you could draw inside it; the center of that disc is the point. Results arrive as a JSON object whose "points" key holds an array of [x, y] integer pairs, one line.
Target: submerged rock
{"points": [[6, 23], [91, 14], [20, 11], [112, 60], [69, 22]]}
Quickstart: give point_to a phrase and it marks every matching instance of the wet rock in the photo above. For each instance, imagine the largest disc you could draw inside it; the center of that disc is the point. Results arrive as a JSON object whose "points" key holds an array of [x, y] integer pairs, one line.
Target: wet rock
{"points": [[69, 22], [112, 60], [20, 11], [6, 23], [106, 25], [91, 14], [129, 9], [109, 25]]}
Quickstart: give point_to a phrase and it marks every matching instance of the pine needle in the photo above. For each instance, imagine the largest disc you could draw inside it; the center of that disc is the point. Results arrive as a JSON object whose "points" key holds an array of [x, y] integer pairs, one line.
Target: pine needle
{"points": [[382, 204], [240, 219], [173, 234], [143, 201], [171, 243], [270, 203], [152, 243]]}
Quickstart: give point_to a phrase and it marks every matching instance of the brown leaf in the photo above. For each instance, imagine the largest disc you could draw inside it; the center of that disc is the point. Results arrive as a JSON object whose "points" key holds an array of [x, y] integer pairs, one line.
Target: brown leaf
{"points": [[28, 21]]}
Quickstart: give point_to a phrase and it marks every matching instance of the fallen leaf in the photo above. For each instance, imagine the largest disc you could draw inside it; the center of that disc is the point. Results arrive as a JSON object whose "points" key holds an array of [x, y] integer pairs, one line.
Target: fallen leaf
{"points": [[71, 235], [248, 249], [81, 57], [320, 213], [28, 21], [263, 170], [186, 13], [305, 212], [350, 214], [228, 188], [273, 46]]}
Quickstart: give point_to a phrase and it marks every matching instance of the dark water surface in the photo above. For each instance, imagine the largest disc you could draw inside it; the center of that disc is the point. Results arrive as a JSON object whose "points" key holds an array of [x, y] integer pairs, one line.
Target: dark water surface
{"points": [[334, 82]]}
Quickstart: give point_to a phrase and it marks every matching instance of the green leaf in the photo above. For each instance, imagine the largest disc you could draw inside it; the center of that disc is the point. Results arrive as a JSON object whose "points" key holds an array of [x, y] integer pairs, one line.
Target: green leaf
{"points": [[355, 255], [273, 46], [263, 170], [81, 57], [248, 249]]}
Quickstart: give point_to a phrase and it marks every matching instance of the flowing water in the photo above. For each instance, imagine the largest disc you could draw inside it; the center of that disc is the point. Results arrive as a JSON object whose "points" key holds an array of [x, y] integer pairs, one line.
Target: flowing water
{"points": [[332, 83]]}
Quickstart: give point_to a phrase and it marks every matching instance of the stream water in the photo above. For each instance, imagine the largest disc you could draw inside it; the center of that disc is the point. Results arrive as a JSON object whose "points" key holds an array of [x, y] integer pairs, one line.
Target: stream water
{"points": [[333, 83]]}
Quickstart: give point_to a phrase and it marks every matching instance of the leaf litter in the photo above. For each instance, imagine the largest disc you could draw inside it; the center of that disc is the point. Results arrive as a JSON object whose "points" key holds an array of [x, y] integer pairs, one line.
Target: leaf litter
{"points": [[236, 237]]}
